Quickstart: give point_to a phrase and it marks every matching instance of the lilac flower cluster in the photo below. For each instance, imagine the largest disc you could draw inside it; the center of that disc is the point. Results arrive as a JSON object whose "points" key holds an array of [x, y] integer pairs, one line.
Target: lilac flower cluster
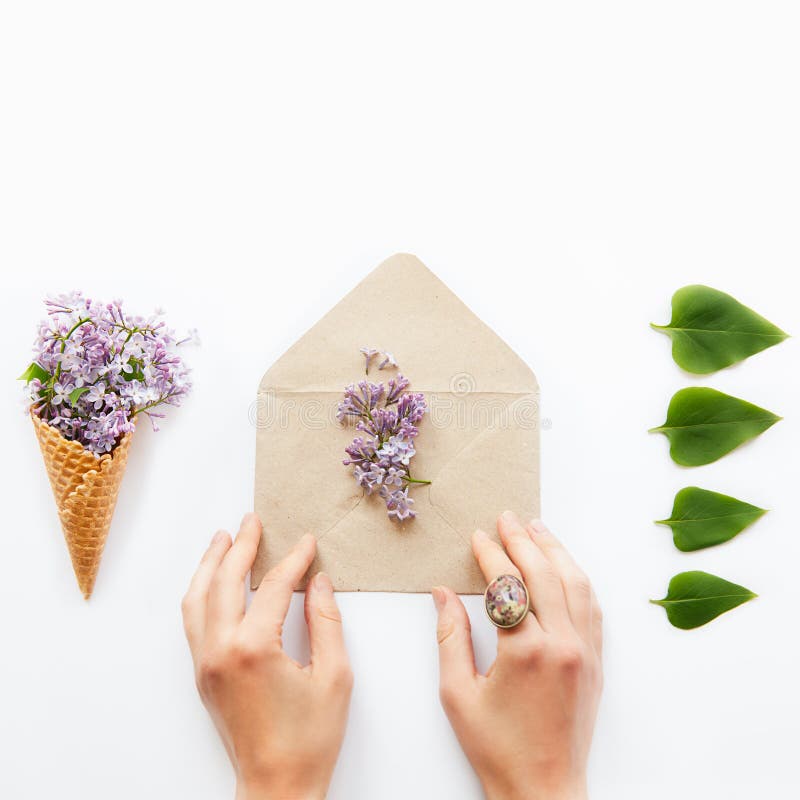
{"points": [[96, 369], [388, 416]]}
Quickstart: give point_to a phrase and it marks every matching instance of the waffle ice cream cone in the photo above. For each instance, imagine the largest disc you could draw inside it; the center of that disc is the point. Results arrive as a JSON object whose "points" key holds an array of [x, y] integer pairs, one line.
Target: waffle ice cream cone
{"points": [[85, 488]]}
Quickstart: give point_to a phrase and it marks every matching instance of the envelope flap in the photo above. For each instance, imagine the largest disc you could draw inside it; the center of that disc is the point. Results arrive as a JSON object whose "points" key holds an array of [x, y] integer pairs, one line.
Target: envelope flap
{"points": [[402, 306]]}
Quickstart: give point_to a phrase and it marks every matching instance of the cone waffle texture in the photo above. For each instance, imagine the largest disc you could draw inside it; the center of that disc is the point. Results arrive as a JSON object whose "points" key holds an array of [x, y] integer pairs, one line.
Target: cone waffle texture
{"points": [[85, 488]]}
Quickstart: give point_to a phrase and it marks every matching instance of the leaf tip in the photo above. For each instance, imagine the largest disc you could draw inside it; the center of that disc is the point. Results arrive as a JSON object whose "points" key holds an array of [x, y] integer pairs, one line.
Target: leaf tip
{"points": [[34, 371]]}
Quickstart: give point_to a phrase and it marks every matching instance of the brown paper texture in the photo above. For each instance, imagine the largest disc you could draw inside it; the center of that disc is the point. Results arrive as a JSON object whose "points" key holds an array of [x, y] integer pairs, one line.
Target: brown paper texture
{"points": [[479, 443]]}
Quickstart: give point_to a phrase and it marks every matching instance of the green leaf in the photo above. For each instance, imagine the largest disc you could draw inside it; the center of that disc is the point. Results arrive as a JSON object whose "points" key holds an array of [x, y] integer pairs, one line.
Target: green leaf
{"points": [[75, 394], [695, 598], [703, 425], [711, 330], [135, 373], [34, 372], [701, 518]]}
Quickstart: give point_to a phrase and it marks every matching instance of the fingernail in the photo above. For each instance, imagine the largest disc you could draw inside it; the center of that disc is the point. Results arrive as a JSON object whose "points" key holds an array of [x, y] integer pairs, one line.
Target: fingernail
{"points": [[538, 526], [305, 539], [217, 537], [323, 582], [510, 517], [439, 597], [480, 535], [250, 516]]}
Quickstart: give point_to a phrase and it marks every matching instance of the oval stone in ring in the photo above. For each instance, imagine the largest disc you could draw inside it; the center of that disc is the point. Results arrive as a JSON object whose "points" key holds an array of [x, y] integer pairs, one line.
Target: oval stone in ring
{"points": [[507, 601]]}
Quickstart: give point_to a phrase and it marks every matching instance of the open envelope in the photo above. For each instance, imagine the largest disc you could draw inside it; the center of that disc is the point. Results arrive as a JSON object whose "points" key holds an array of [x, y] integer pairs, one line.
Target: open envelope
{"points": [[479, 443]]}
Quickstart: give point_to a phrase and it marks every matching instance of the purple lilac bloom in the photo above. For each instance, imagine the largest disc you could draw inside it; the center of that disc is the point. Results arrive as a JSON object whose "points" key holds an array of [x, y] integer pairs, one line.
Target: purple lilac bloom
{"points": [[386, 418], [399, 505], [96, 368], [396, 388]]}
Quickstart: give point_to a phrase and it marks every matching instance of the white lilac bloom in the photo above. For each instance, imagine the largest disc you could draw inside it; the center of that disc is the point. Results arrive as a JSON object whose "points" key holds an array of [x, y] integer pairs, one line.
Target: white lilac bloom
{"points": [[369, 353], [61, 393], [393, 477], [370, 479], [388, 360], [397, 451], [96, 368], [399, 505], [387, 420], [96, 395]]}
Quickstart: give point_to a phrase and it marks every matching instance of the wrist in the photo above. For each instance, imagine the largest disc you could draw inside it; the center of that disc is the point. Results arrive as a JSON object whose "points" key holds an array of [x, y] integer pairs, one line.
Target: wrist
{"points": [[275, 790], [573, 789], [539, 794]]}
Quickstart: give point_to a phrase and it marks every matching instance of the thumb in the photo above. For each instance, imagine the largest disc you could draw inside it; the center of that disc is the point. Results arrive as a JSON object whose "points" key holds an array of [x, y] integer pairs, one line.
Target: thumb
{"points": [[325, 634], [456, 656]]}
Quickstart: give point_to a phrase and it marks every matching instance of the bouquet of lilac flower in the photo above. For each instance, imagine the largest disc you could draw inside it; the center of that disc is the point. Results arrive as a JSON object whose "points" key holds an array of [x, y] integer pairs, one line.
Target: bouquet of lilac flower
{"points": [[96, 369], [388, 416]]}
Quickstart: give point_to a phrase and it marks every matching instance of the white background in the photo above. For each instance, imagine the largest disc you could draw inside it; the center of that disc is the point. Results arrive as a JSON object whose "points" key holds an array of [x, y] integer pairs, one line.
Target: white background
{"points": [[564, 168]]}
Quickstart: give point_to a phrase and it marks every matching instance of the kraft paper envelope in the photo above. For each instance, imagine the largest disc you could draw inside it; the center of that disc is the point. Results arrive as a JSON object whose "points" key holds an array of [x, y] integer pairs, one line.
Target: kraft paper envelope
{"points": [[479, 443]]}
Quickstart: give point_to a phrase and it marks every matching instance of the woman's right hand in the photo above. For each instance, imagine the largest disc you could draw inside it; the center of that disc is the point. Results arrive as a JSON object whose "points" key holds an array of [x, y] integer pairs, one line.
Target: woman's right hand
{"points": [[526, 726], [281, 723]]}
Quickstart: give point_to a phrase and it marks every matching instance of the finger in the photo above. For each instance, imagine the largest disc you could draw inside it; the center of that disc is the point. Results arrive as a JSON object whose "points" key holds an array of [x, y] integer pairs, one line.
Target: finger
{"points": [[270, 604], [543, 582], [226, 595], [494, 561], [325, 633], [196, 597], [457, 672], [577, 588], [597, 625]]}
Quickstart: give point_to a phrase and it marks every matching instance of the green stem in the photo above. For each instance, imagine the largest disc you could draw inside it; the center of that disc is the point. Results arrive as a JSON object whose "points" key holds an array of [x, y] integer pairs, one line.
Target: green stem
{"points": [[127, 339], [69, 333], [153, 404], [414, 480]]}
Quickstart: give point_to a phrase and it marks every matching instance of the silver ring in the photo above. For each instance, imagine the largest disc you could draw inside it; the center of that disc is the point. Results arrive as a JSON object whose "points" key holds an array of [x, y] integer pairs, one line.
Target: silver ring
{"points": [[507, 601]]}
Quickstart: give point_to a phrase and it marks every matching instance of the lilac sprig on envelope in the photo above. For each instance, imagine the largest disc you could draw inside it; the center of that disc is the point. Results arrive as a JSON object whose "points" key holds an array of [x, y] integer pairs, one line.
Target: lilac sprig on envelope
{"points": [[388, 416]]}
